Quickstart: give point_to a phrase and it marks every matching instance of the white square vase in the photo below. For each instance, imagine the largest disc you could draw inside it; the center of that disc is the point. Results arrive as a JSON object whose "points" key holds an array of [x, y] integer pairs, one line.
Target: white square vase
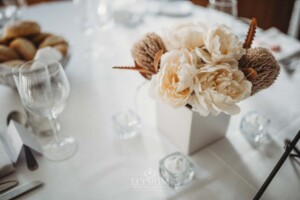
{"points": [[188, 130]]}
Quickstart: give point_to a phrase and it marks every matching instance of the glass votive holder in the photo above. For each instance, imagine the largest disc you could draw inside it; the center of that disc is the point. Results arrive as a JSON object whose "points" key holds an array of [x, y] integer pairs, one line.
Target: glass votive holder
{"points": [[255, 127], [129, 12], [176, 170], [126, 124]]}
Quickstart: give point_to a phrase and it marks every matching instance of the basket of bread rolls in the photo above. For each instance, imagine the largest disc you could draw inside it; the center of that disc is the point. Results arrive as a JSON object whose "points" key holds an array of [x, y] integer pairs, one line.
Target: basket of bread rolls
{"points": [[23, 41]]}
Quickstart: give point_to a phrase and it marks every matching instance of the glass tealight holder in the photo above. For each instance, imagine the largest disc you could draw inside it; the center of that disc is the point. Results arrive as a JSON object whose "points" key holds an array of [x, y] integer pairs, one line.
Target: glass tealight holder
{"points": [[255, 127], [176, 170], [126, 124], [129, 12]]}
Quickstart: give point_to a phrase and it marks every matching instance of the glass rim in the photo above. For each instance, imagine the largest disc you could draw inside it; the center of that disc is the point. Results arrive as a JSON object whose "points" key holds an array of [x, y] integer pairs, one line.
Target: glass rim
{"points": [[226, 3], [28, 75]]}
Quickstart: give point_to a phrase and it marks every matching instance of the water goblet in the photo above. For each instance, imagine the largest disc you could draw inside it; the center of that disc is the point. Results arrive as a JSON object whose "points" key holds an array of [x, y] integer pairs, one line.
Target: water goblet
{"points": [[227, 7], [44, 89], [95, 18], [11, 10]]}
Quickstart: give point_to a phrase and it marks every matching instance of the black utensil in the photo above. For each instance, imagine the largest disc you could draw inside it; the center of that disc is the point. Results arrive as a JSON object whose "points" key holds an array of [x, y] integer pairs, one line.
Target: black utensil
{"points": [[30, 159]]}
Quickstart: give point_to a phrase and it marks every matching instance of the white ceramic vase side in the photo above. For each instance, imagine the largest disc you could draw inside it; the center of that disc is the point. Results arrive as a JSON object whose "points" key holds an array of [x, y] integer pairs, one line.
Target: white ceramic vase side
{"points": [[188, 130]]}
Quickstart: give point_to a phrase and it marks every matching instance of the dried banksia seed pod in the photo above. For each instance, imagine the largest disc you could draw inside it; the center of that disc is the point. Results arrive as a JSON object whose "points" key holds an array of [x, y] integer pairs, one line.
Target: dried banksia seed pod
{"points": [[260, 68], [144, 51]]}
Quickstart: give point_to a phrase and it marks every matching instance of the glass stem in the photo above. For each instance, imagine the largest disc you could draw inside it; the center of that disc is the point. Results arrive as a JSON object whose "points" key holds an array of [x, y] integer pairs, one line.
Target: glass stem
{"points": [[53, 123]]}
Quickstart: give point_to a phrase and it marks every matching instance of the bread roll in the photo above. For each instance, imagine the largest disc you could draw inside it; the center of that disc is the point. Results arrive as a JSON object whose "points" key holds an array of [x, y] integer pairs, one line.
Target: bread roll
{"points": [[24, 47], [4, 41], [21, 29], [7, 53], [14, 63], [52, 40], [37, 39]]}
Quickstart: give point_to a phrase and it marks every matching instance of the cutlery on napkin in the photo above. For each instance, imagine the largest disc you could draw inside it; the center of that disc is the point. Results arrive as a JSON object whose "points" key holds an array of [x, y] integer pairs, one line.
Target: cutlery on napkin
{"points": [[21, 119], [7, 185], [6, 165], [17, 191]]}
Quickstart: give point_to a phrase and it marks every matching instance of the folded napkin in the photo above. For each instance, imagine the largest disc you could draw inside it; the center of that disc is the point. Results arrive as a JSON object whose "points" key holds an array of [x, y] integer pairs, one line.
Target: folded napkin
{"points": [[11, 144], [48, 53], [17, 136], [6, 165]]}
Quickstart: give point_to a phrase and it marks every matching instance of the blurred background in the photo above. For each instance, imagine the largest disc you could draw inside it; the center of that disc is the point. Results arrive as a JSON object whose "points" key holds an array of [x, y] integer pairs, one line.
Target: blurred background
{"points": [[282, 14]]}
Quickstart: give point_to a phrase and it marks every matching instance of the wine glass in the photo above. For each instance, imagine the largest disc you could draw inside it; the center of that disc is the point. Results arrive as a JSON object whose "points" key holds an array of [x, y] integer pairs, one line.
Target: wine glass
{"points": [[13, 9], [228, 7], [95, 18], [44, 89]]}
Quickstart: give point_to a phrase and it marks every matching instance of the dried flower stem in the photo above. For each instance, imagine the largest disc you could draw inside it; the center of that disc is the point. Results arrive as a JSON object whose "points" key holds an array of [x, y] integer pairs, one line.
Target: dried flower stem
{"points": [[142, 70], [250, 73], [251, 34]]}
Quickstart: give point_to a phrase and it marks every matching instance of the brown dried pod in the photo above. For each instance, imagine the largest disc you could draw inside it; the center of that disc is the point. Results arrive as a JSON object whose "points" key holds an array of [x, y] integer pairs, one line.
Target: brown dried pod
{"points": [[260, 68], [144, 51]]}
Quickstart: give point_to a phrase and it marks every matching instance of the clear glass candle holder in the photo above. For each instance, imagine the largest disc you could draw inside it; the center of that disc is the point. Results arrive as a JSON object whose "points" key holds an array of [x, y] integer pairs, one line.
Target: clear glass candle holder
{"points": [[176, 170], [127, 124], [129, 12], [255, 127]]}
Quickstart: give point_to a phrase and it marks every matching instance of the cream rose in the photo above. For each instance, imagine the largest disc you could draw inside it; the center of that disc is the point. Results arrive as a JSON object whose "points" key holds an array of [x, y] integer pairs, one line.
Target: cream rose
{"points": [[218, 89], [221, 45], [174, 82], [187, 35]]}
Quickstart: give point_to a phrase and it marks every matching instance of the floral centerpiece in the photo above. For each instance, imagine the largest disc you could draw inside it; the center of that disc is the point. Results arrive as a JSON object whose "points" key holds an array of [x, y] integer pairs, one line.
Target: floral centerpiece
{"points": [[209, 69], [204, 68]]}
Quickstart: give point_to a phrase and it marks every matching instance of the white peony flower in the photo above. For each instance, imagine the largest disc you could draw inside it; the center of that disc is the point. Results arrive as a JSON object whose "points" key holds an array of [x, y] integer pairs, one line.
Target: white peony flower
{"points": [[174, 82], [187, 35], [218, 88], [221, 45]]}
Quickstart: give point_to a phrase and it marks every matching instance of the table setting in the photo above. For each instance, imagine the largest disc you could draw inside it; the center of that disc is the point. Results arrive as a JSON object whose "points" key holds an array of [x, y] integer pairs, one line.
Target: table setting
{"points": [[141, 103]]}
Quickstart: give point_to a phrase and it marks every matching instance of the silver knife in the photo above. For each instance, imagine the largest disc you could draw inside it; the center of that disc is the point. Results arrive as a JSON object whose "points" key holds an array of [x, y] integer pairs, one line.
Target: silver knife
{"points": [[7, 185], [20, 190]]}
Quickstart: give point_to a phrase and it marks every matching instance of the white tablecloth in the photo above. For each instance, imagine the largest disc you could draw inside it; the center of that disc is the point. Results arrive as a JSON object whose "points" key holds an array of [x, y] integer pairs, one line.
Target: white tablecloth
{"points": [[107, 168]]}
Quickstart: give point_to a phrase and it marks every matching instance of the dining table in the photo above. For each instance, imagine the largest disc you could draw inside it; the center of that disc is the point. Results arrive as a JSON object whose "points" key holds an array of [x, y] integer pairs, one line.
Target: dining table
{"points": [[106, 167]]}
